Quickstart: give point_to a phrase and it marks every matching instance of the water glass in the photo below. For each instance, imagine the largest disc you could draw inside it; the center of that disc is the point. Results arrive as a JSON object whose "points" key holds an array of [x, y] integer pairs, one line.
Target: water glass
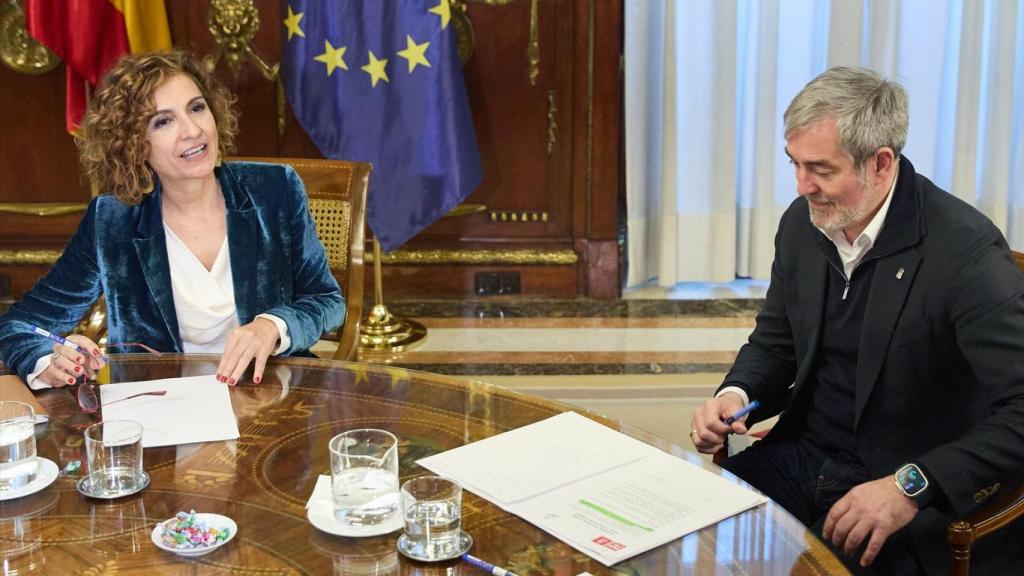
{"points": [[432, 509], [113, 450], [364, 476], [17, 445]]}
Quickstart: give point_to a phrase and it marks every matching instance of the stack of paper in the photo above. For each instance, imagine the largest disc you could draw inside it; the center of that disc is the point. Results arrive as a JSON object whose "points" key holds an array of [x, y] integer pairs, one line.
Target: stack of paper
{"points": [[606, 494]]}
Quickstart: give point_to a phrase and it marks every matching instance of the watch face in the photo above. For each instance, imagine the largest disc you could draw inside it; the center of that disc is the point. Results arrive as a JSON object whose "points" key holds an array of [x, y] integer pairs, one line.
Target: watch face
{"points": [[911, 480]]}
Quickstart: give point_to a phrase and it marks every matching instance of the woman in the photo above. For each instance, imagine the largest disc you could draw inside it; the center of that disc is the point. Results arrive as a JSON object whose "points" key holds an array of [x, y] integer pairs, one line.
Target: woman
{"points": [[192, 255]]}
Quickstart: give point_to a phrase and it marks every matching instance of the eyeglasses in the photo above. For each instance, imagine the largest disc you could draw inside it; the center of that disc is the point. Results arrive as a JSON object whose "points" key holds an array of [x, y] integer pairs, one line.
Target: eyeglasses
{"points": [[86, 395], [89, 402]]}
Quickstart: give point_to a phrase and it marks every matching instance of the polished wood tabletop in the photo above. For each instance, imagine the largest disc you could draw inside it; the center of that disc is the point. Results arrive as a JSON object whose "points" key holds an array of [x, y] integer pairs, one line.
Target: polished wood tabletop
{"points": [[263, 480]]}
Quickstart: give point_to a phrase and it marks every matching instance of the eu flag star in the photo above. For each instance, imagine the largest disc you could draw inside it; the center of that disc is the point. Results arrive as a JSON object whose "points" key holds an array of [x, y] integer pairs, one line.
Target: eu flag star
{"points": [[375, 68], [292, 23], [332, 57], [415, 53], [444, 11]]}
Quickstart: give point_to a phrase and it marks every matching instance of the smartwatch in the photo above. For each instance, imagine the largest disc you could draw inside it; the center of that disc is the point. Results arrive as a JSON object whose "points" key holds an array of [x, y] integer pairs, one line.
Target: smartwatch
{"points": [[912, 482]]}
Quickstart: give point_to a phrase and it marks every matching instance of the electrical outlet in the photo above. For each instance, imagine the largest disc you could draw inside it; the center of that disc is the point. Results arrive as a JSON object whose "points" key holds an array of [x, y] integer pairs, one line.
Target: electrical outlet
{"points": [[496, 283]]}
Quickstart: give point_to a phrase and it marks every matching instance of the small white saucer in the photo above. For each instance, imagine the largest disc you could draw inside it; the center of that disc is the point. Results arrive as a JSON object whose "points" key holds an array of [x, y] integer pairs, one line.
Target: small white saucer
{"points": [[213, 520], [85, 487], [46, 473], [409, 550], [321, 515]]}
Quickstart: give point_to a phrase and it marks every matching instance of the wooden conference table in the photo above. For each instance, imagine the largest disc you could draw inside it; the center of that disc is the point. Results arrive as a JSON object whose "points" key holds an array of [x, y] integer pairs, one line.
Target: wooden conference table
{"points": [[263, 479]]}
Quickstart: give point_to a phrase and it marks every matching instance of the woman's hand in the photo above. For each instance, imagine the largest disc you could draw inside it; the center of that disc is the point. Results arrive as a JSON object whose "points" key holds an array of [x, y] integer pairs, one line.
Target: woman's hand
{"points": [[254, 341], [68, 364]]}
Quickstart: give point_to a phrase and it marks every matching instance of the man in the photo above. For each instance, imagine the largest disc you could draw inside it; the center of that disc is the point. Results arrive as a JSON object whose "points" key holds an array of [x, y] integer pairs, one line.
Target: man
{"points": [[891, 341]]}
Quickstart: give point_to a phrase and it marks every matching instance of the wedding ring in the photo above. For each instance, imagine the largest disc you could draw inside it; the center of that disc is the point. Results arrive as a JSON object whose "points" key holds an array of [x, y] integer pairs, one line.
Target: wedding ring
{"points": [[692, 432]]}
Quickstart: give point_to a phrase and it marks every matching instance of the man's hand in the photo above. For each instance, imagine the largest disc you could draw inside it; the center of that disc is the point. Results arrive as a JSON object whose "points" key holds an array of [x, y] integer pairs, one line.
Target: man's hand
{"points": [[870, 512], [253, 342], [707, 429]]}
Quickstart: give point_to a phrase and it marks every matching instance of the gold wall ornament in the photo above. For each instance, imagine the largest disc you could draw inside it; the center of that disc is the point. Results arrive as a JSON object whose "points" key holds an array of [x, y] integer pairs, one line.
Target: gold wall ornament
{"points": [[518, 216], [19, 51], [233, 24], [526, 256], [29, 257], [465, 37], [42, 208], [465, 210]]}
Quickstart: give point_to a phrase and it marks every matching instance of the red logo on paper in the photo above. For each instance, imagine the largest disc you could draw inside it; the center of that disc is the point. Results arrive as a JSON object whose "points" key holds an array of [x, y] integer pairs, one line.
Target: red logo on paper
{"points": [[608, 543]]}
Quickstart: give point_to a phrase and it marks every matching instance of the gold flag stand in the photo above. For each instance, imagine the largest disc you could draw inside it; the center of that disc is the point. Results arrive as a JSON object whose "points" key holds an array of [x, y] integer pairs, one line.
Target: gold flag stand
{"points": [[379, 331]]}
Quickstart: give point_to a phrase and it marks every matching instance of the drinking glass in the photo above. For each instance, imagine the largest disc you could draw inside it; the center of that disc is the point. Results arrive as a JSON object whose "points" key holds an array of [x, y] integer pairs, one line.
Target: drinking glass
{"points": [[364, 476], [113, 450], [17, 445], [432, 509]]}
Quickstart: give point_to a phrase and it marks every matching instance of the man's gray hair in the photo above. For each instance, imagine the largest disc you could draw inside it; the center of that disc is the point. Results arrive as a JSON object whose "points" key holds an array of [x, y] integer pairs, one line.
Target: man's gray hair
{"points": [[870, 111]]}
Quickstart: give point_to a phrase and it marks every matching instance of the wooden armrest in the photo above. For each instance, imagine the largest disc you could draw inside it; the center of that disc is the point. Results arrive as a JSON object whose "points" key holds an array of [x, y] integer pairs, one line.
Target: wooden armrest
{"points": [[962, 533]]}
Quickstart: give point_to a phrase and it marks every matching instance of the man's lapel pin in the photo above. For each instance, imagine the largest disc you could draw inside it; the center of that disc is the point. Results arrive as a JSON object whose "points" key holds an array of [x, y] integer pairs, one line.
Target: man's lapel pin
{"points": [[899, 273]]}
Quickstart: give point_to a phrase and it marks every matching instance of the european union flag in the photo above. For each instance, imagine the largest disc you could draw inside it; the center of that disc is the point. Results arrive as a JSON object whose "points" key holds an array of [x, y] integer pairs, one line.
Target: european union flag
{"points": [[379, 81]]}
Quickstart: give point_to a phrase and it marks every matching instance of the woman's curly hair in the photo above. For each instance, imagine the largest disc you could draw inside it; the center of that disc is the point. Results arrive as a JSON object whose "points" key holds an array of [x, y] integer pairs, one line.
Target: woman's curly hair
{"points": [[112, 142]]}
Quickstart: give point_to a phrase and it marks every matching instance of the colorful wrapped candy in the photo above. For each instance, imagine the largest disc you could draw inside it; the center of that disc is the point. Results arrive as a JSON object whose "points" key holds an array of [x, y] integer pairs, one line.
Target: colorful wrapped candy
{"points": [[186, 531]]}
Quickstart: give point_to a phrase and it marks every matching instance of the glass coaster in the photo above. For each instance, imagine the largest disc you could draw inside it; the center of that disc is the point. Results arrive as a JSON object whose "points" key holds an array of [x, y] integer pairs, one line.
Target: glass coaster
{"points": [[417, 551], [85, 486]]}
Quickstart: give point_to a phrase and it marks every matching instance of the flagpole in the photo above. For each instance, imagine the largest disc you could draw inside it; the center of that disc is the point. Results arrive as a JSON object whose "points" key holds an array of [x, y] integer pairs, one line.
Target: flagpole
{"points": [[379, 330]]}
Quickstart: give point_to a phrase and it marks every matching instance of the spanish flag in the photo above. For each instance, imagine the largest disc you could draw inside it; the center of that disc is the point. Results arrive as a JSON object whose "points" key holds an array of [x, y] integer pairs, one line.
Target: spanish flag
{"points": [[91, 35]]}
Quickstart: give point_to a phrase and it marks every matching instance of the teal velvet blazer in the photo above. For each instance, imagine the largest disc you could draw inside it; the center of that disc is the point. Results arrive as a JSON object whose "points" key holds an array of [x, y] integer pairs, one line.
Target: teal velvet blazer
{"points": [[278, 266]]}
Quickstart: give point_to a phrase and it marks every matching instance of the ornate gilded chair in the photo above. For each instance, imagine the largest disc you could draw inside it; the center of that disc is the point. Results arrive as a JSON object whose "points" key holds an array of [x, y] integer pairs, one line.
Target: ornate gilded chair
{"points": [[337, 200]]}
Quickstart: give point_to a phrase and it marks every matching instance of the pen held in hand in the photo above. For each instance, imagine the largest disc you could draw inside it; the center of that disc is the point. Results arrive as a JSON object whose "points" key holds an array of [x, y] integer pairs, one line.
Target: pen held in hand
{"points": [[59, 340], [743, 412]]}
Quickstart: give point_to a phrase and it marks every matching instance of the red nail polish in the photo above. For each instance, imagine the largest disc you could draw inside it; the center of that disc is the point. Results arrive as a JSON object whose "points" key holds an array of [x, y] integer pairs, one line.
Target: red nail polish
{"points": [[95, 351], [78, 368], [71, 380], [257, 379], [231, 381]]}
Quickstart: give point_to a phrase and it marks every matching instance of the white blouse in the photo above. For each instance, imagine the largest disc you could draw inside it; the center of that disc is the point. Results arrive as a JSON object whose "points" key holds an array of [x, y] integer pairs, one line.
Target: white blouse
{"points": [[204, 300]]}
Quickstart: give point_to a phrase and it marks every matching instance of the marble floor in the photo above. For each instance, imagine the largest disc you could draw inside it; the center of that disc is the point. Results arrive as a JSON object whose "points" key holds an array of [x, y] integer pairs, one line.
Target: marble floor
{"points": [[647, 361]]}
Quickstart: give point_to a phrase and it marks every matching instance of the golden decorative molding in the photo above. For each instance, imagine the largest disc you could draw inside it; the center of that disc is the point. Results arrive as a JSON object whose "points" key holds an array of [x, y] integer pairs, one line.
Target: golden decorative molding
{"points": [[465, 210], [19, 51], [29, 257], [552, 121], [43, 208], [559, 257], [518, 216], [533, 48]]}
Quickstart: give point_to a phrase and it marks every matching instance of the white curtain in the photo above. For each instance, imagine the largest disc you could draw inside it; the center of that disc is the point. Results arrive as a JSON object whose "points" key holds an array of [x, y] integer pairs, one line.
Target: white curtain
{"points": [[707, 82]]}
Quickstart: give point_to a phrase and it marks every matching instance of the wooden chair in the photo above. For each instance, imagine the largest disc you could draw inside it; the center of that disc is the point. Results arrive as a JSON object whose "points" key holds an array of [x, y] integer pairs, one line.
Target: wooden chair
{"points": [[1002, 510], [337, 200], [962, 533]]}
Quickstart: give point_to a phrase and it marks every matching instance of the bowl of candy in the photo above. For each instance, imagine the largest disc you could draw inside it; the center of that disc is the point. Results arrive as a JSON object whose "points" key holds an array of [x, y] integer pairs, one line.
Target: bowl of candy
{"points": [[192, 534]]}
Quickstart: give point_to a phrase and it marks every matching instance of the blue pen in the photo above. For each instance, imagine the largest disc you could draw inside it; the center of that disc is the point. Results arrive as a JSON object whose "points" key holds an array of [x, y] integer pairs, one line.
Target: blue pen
{"points": [[59, 339], [743, 411], [487, 566]]}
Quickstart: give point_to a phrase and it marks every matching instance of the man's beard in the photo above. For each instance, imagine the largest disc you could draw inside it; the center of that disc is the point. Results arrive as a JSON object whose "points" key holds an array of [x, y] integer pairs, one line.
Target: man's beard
{"points": [[842, 217]]}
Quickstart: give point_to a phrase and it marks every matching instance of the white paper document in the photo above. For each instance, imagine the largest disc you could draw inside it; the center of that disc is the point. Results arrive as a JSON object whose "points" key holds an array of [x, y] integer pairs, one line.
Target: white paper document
{"points": [[606, 494], [194, 409]]}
